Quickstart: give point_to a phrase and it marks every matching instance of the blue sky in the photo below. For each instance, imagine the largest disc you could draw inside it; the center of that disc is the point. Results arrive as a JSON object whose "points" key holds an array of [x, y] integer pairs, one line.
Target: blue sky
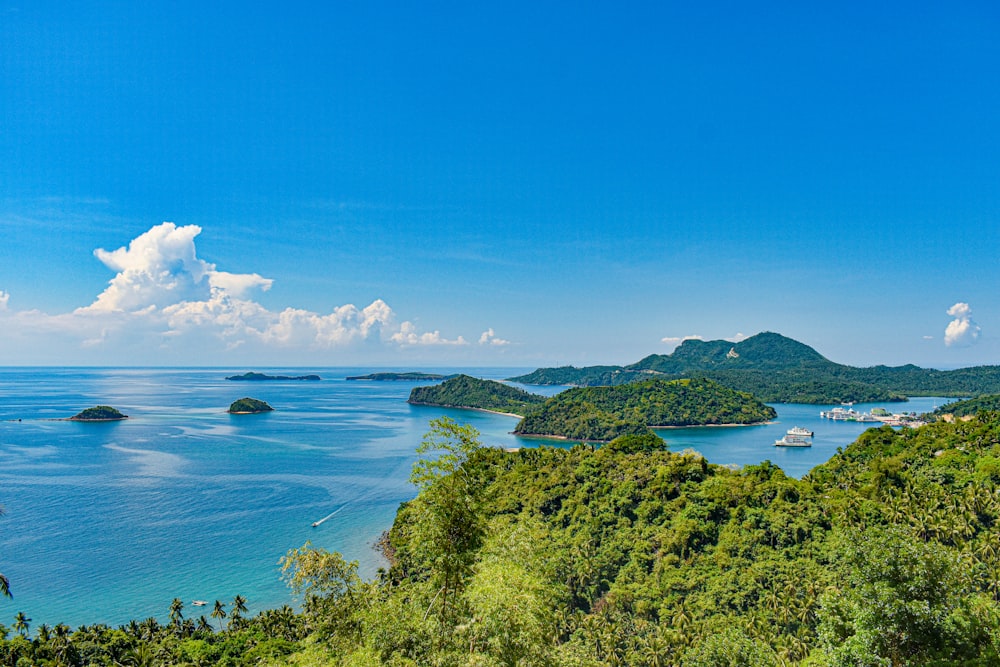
{"points": [[524, 184]]}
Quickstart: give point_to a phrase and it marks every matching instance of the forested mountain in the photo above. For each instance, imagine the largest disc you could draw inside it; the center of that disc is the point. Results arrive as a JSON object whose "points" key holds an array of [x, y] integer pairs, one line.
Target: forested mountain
{"points": [[630, 555], [778, 369], [464, 391], [605, 413]]}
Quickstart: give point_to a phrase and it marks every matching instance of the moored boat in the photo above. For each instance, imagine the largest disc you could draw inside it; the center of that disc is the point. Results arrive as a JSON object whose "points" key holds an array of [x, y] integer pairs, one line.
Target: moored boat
{"points": [[788, 440]]}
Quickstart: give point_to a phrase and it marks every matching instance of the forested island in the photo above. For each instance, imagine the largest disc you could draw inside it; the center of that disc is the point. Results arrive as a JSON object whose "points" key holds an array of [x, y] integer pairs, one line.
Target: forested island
{"points": [[604, 413], [98, 413], [248, 406], [777, 369], [263, 377], [629, 555], [410, 376], [464, 391]]}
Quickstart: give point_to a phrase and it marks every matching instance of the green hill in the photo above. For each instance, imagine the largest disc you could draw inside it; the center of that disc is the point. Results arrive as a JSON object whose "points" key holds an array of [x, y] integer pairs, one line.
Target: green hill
{"points": [[604, 413], [245, 406], [99, 413], [778, 369], [464, 391]]}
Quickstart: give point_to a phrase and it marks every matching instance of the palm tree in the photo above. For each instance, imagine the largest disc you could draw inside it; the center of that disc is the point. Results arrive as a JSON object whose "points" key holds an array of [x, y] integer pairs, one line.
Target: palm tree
{"points": [[219, 612], [175, 611], [21, 624], [239, 606]]}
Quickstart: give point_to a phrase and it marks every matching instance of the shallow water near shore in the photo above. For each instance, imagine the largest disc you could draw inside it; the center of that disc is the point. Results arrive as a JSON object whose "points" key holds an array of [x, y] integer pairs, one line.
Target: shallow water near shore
{"points": [[106, 522]]}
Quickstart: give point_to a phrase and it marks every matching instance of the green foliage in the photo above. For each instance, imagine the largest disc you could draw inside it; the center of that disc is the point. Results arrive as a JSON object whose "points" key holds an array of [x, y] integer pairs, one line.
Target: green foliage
{"points": [[970, 407], [777, 369], [464, 391], [99, 413], [605, 413], [249, 406], [889, 554]]}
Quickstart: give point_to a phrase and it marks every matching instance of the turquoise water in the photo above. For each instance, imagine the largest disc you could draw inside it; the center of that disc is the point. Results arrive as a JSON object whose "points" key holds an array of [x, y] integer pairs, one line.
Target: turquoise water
{"points": [[106, 522]]}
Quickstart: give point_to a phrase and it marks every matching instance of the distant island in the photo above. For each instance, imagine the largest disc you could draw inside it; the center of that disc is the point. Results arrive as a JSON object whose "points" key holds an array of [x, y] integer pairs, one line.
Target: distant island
{"points": [[464, 391], [249, 406], [601, 414], [394, 377], [99, 413], [262, 377], [778, 369]]}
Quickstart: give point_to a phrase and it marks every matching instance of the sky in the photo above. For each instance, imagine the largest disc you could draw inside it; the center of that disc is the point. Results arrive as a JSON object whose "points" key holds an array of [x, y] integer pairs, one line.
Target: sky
{"points": [[506, 184]]}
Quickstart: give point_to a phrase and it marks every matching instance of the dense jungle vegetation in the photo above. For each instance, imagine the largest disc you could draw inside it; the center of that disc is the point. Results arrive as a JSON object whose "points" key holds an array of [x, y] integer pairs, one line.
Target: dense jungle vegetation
{"points": [[464, 391], [604, 413], [627, 554], [778, 369]]}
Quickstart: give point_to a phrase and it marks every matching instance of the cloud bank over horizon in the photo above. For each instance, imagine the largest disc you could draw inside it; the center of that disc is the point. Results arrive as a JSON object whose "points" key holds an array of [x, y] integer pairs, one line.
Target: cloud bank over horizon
{"points": [[164, 299]]}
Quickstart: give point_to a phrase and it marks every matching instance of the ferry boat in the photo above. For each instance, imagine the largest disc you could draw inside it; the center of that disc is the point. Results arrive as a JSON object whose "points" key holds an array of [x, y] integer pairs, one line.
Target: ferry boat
{"points": [[795, 437], [793, 441]]}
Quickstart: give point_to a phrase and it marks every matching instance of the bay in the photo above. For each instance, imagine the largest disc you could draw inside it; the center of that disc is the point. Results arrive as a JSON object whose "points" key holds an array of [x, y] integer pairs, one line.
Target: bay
{"points": [[107, 522]]}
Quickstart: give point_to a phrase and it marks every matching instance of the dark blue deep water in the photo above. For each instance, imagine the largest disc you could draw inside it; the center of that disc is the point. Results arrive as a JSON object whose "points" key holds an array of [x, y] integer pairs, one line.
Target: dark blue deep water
{"points": [[105, 522]]}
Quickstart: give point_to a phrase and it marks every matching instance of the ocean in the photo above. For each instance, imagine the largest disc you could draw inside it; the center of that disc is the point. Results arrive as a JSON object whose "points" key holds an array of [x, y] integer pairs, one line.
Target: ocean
{"points": [[107, 522]]}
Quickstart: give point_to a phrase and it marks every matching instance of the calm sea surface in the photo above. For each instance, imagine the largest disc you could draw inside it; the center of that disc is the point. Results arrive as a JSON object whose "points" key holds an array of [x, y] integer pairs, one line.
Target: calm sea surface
{"points": [[105, 522]]}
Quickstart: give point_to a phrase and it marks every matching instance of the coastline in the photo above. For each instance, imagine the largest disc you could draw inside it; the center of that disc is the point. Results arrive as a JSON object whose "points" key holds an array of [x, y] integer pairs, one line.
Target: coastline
{"points": [[465, 407]]}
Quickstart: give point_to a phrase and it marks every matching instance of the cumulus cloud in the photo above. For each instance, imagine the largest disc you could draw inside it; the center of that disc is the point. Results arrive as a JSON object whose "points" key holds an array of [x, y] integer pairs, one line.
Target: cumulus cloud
{"points": [[407, 335], [489, 337], [677, 340], [963, 330], [737, 338], [162, 293]]}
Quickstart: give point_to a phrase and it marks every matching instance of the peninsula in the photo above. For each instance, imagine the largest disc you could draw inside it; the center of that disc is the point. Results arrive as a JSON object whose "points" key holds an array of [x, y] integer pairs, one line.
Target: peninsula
{"points": [[778, 369], [465, 391], [99, 413], [601, 414], [249, 406], [262, 377]]}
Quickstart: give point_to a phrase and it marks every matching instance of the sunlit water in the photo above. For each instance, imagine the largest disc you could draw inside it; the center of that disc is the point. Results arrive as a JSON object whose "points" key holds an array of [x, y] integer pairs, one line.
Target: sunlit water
{"points": [[106, 522]]}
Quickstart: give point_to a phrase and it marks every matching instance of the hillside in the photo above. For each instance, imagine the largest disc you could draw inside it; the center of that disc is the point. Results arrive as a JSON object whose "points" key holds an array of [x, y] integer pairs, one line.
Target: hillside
{"points": [[604, 413], [778, 369], [629, 555], [464, 391], [972, 406]]}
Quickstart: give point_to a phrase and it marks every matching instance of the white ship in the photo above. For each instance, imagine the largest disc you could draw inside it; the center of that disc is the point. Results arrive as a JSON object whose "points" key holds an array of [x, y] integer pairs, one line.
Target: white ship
{"points": [[795, 437]]}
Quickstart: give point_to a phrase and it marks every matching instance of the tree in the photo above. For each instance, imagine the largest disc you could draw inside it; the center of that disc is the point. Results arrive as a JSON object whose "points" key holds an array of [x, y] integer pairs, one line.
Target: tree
{"points": [[449, 527], [21, 624], [907, 602], [176, 606], [219, 612], [239, 607]]}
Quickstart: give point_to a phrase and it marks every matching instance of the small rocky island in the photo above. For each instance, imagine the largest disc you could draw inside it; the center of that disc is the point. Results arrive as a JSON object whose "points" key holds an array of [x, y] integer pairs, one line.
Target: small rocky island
{"points": [[249, 406], [263, 377], [99, 413]]}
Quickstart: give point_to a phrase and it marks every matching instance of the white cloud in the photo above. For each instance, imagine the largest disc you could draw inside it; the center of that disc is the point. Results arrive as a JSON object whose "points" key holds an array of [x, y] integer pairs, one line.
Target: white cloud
{"points": [[737, 338], [677, 340], [489, 337], [963, 330], [407, 335], [163, 297]]}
